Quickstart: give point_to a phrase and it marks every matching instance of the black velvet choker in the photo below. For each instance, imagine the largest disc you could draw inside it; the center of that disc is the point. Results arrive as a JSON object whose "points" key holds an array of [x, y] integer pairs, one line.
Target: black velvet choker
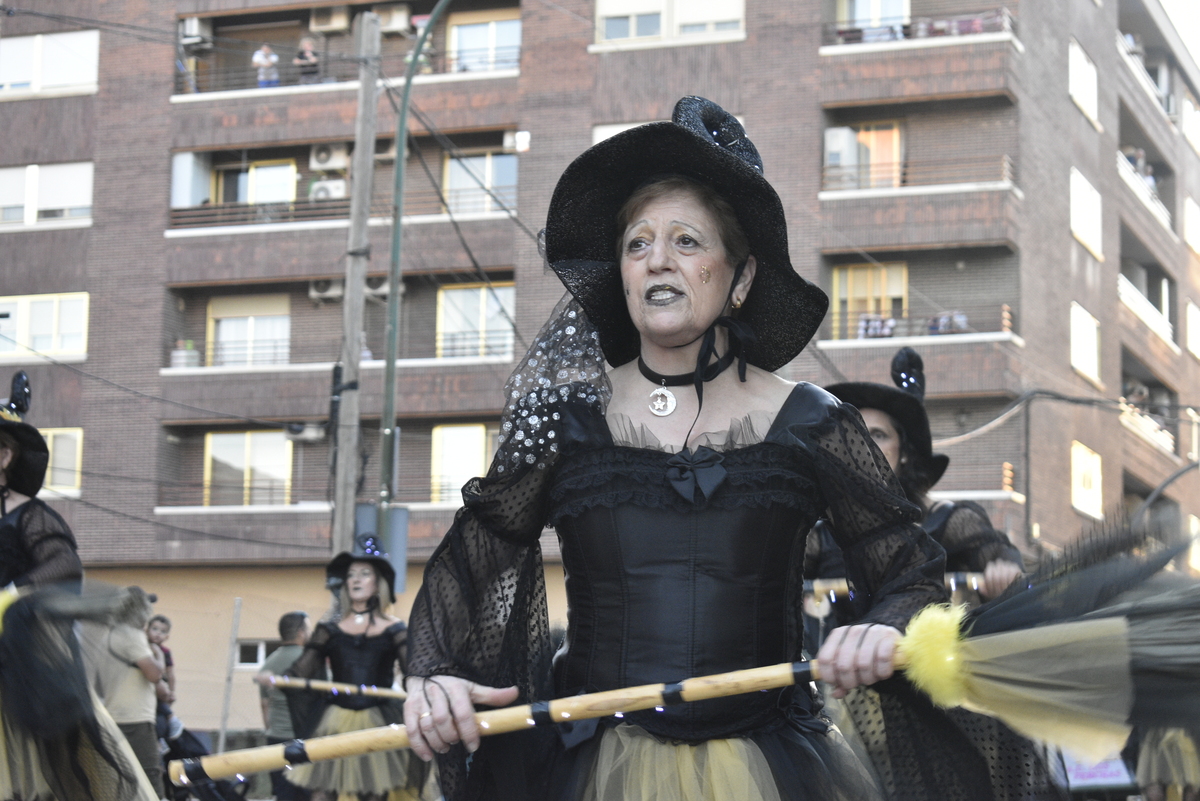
{"points": [[683, 379]]}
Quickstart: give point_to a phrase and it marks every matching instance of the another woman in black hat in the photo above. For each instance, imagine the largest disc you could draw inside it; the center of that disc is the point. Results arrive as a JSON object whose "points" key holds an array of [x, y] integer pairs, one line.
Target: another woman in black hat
{"points": [[362, 645], [920, 752], [56, 739], [682, 477]]}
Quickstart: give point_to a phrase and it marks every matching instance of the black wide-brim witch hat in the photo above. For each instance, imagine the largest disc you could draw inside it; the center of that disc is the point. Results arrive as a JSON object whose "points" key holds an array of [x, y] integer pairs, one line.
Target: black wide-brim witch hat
{"points": [[904, 403], [365, 549], [707, 144], [30, 469]]}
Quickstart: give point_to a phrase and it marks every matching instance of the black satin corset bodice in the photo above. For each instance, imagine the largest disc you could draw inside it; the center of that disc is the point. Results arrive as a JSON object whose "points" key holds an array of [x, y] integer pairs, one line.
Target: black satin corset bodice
{"points": [[358, 659], [680, 566], [15, 560]]}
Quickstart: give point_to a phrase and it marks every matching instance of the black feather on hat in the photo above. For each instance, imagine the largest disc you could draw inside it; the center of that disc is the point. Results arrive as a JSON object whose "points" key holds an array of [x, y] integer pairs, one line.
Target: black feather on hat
{"points": [[904, 403], [366, 549], [707, 144], [29, 471]]}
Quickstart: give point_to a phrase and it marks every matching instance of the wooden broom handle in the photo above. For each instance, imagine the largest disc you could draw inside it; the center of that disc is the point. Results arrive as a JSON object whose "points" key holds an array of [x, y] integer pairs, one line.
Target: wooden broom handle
{"points": [[840, 588], [335, 687], [496, 721]]}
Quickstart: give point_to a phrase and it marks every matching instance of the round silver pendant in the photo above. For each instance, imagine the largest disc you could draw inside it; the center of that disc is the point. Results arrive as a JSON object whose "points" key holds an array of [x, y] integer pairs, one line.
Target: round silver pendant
{"points": [[662, 402]]}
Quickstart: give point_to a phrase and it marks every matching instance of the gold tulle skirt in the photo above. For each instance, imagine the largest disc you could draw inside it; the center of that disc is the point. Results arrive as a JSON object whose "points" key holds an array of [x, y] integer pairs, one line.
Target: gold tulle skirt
{"points": [[381, 772], [35, 770], [1168, 757]]}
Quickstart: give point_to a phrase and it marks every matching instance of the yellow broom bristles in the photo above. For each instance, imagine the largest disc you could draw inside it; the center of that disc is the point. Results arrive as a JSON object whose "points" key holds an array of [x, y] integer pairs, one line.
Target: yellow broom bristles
{"points": [[930, 652]]}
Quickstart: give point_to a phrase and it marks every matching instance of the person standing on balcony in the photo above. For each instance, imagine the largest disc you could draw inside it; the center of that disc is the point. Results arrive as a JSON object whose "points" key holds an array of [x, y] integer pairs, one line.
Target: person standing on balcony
{"points": [[309, 61], [895, 726], [266, 61]]}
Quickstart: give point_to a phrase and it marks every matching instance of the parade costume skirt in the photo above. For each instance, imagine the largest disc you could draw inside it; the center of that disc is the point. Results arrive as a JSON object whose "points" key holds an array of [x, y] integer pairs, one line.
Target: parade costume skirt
{"points": [[1168, 757], [377, 773], [783, 763], [68, 767]]}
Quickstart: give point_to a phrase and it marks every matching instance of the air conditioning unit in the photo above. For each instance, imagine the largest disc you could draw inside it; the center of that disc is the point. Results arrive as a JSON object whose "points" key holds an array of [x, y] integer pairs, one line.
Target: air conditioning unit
{"points": [[331, 19], [516, 141], [326, 289], [327, 190], [196, 32], [332, 156], [377, 286], [386, 154], [305, 432], [393, 18]]}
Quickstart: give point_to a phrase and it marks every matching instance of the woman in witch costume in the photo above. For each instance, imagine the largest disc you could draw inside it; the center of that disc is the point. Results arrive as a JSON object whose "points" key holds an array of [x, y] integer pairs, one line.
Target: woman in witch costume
{"points": [[682, 478], [56, 739], [363, 645], [920, 752]]}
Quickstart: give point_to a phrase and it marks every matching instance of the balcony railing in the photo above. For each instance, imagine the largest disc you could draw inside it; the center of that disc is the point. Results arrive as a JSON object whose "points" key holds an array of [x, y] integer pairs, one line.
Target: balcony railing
{"points": [[475, 343], [1145, 193], [963, 320], [335, 69], [251, 352], [985, 169], [1148, 426], [1146, 311], [258, 492], [417, 201], [997, 20], [1136, 63]]}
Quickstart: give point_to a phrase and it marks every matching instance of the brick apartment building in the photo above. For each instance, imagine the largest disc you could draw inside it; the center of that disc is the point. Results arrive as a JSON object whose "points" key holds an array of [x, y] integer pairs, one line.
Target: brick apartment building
{"points": [[1012, 191]]}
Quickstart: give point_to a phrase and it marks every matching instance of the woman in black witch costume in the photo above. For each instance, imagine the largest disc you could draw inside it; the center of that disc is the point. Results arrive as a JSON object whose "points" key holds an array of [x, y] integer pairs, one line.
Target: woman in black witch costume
{"points": [[363, 645], [681, 478], [920, 752], [56, 739]]}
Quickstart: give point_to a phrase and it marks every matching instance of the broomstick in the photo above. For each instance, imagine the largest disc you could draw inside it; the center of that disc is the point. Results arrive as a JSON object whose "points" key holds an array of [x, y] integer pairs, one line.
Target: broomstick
{"points": [[840, 587], [1051, 660], [334, 687]]}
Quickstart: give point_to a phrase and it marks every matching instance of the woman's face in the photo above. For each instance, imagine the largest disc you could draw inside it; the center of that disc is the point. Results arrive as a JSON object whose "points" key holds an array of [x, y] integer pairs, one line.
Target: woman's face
{"points": [[883, 430], [360, 581], [675, 270]]}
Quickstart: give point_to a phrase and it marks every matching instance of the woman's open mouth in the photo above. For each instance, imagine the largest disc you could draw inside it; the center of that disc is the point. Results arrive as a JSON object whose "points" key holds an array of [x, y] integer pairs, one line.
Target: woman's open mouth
{"points": [[662, 294]]}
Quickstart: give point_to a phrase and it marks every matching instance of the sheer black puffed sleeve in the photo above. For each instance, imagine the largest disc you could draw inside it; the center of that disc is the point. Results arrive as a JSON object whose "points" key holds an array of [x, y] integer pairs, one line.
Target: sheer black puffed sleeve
{"points": [[43, 548], [894, 568]]}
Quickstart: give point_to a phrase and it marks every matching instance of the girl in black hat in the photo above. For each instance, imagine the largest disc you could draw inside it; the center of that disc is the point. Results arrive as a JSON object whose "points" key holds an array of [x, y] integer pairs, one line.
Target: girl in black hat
{"points": [[56, 739], [362, 645], [645, 424], [920, 752]]}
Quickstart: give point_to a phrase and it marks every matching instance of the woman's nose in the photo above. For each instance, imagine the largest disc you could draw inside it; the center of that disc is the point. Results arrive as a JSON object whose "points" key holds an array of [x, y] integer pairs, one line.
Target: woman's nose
{"points": [[660, 258]]}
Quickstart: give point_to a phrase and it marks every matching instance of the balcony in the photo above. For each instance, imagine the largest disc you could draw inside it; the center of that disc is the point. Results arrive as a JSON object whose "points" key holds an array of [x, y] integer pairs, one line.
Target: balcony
{"points": [[1151, 428], [855, 328], [1144, 191], [1146, 311], [474, 63], [417, 202], [1135, 59], [922, 177], [920, 30]]}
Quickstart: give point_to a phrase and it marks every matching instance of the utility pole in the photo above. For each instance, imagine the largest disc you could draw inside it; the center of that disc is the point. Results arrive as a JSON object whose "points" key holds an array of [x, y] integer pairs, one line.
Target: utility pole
{"points": [[358, 250]]}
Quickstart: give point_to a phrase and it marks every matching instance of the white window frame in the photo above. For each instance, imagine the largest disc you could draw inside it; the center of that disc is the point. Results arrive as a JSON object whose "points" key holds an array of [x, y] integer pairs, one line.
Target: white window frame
{"points": [[43, 47], [20, 328], [491, 17], [1192, 333], [1082, 81], [72, 488], [723, 20], [490, 204], [31, 207], [445, 486], [1087, 214], [484, 290], [1191, 224], [248, 307], [1087, 481], [1085, 343], [247, 489]]}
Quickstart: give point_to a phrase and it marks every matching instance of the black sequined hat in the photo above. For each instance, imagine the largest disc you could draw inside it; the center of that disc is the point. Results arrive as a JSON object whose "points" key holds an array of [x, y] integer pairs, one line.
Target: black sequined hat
{"points": [[365, 549], [904, 403], [707, 144], [30, 469]]}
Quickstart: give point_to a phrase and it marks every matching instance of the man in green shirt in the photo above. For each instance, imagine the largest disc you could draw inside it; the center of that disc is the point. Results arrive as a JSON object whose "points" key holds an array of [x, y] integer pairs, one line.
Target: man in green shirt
{"points": [[293, 632]]}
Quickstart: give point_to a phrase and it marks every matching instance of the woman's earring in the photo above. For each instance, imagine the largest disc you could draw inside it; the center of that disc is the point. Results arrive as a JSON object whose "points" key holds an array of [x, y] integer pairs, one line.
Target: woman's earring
{"points": [[705, 274], [737, 304]]}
